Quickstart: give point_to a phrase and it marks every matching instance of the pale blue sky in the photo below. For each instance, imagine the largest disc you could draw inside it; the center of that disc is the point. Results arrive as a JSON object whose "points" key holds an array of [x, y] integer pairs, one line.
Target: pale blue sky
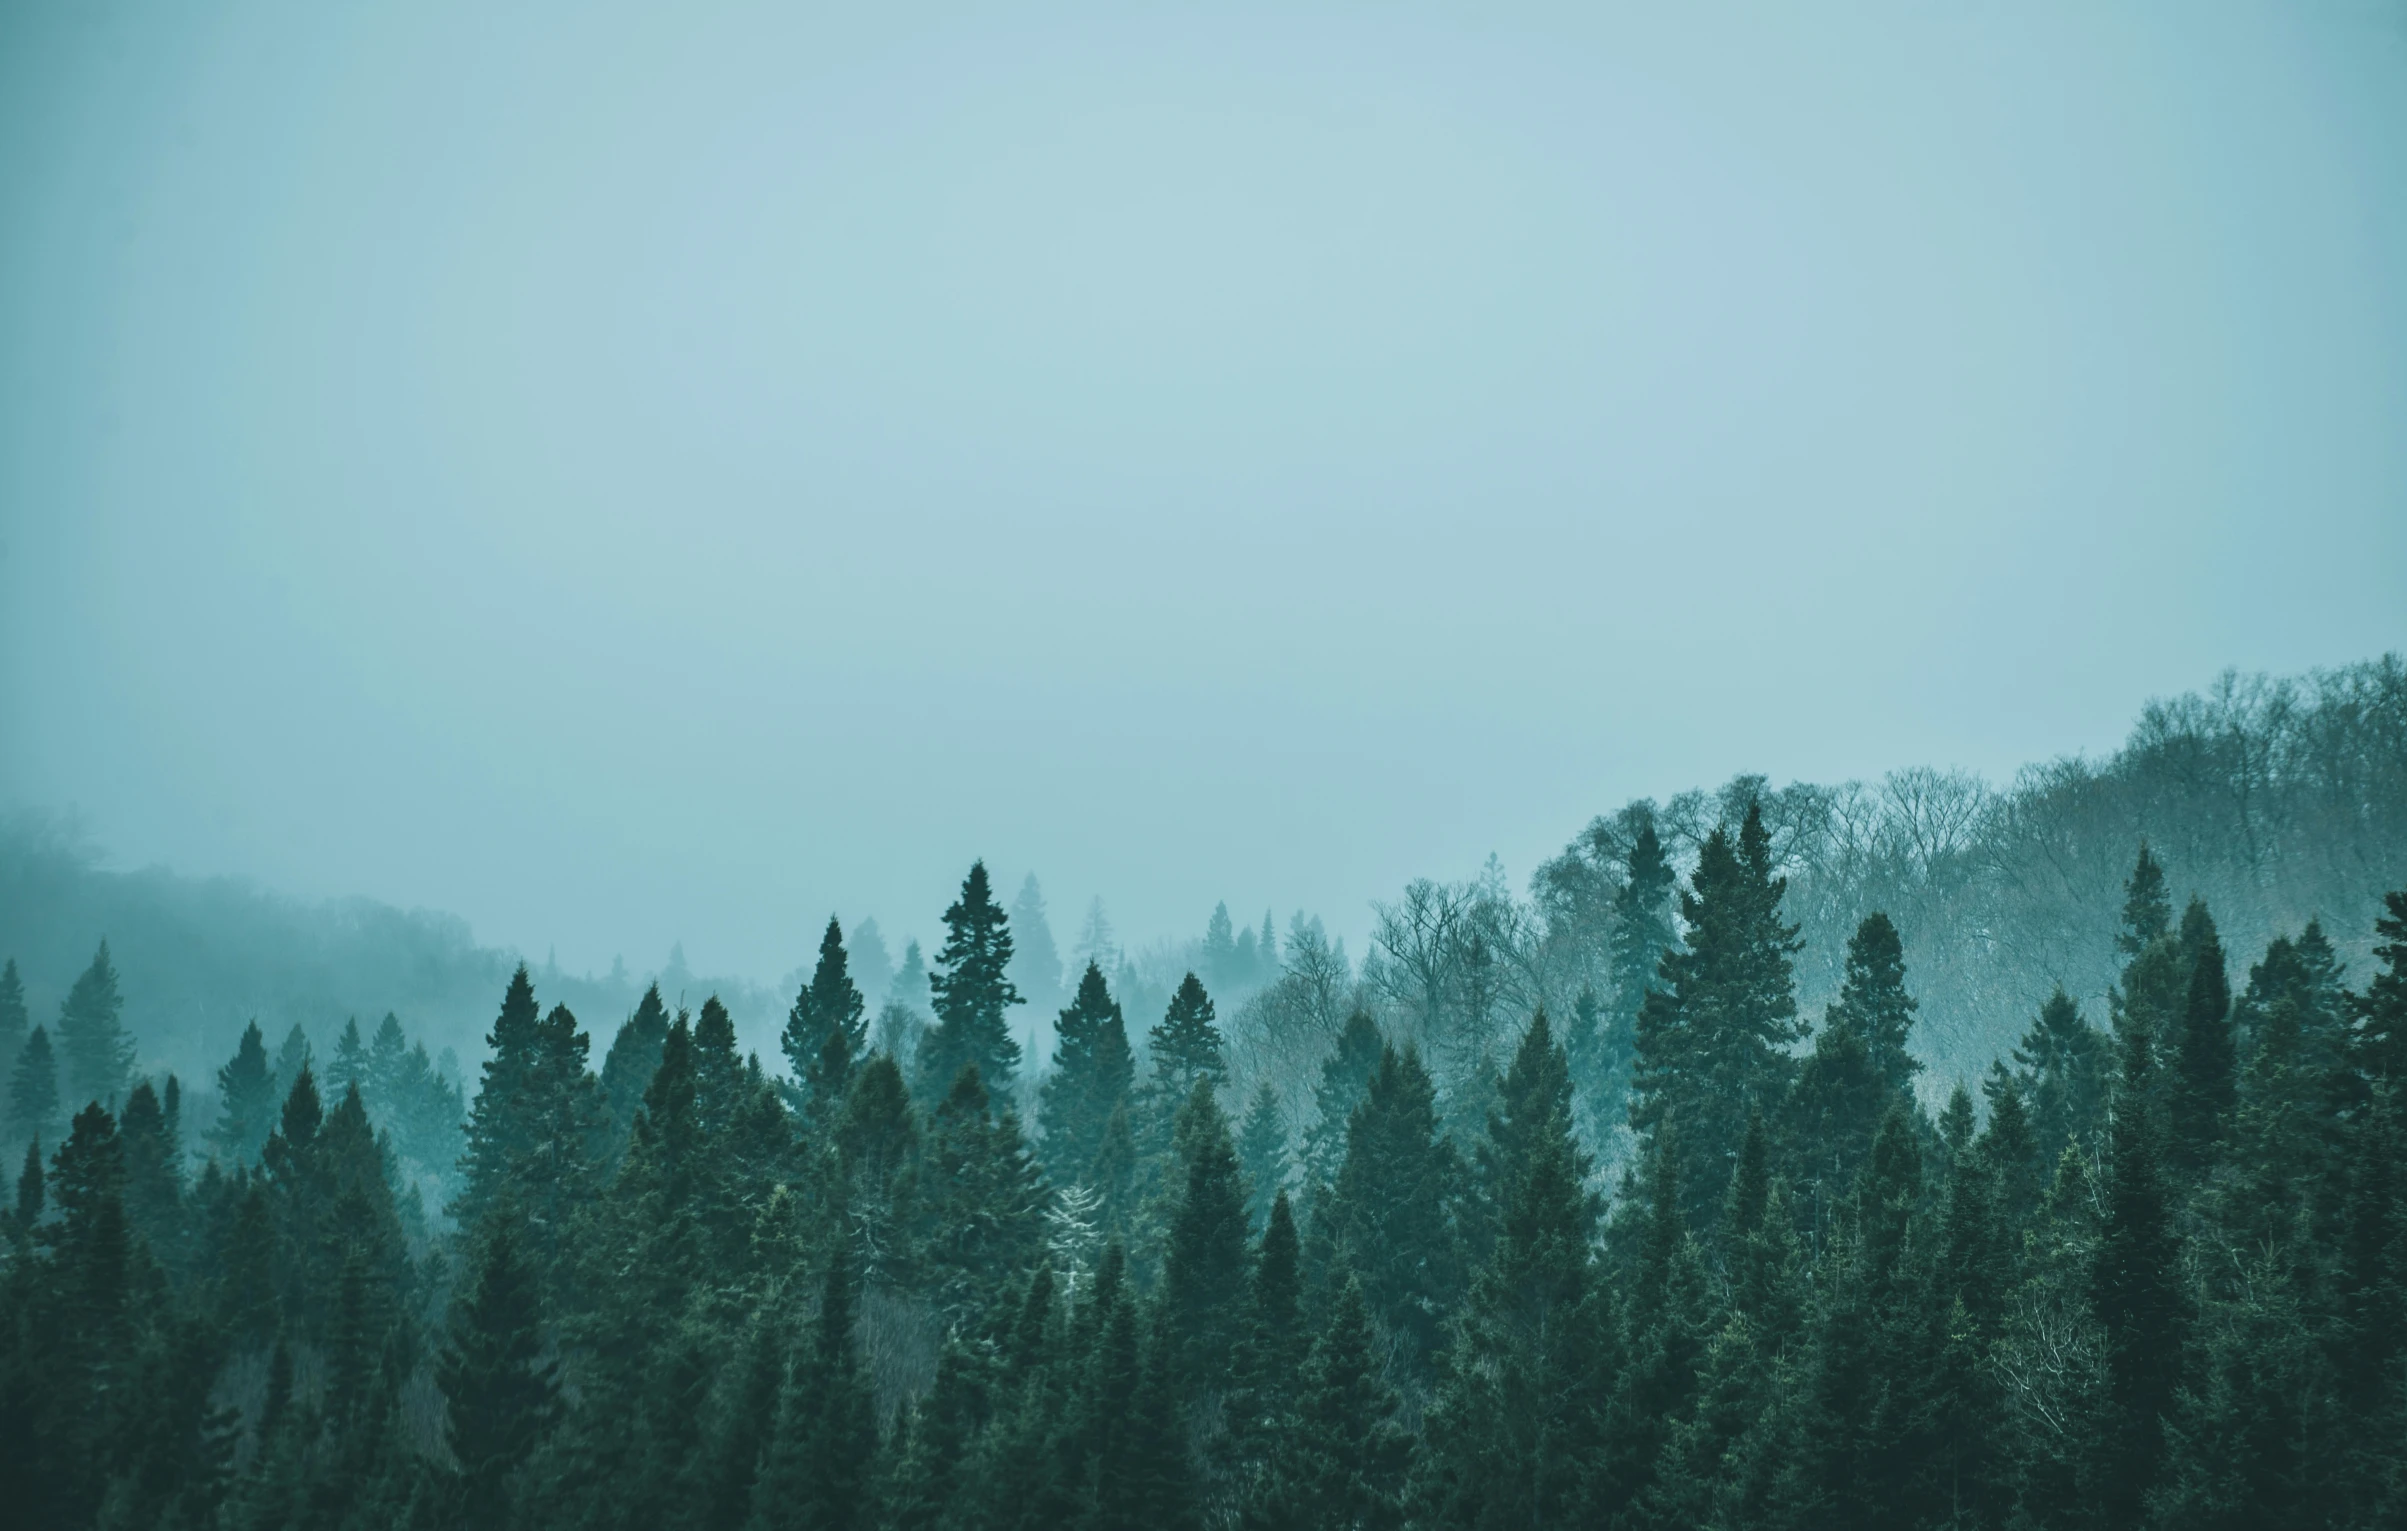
{"points": [[626, 473]]}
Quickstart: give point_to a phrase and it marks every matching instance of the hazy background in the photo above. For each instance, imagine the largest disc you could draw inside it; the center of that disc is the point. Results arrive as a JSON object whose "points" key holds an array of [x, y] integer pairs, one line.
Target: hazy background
{"points": [[629, 474]]}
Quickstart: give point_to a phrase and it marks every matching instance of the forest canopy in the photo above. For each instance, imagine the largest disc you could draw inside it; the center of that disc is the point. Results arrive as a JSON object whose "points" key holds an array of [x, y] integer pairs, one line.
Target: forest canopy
{"points": [[1909, 1153]]}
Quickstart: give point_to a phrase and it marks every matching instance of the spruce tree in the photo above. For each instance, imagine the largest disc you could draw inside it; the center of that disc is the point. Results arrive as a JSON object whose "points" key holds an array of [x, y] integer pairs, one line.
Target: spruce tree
{"points": [[33, 1090], [154, 1174], [2062, 1069], [2135, 1288], [1262, 1154], [2381, 1011], [1345, 1460], [1092, 1072], [827, 1033], [96, 1057], [1204, 1259], [2204, 1087], [503, 1395], [1186, 1045], [14, 1021], [1642, 933], [633, 1058], [1874, 1002], [1345, 1080], [247, 1099], [983, 1199], [1713, 1039], [535, 1124], [1035, 961], [1392, 1217], [2147, 912], [819, 1470], [1522, 1398], [972, 988], [350, 1059]]}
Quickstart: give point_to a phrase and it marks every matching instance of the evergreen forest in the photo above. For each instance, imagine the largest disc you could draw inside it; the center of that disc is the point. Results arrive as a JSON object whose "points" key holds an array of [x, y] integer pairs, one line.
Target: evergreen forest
{"points": [[1681, 1236]]}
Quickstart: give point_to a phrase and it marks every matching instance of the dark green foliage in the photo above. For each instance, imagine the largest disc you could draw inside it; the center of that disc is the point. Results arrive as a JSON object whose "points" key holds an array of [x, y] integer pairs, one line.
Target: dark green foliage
{"points": [[821, 1460], [1204, 1258], [13, 1017], [1345, 1079], [826, 1032], [1186, 1045], [981, 1195], [96, 1057], [1262, 1154], [1344, 1461], [2205, 1084], [247, 1100], [1391, 1220], [33, 1090], [2062, 1069], [501, 1391], [1092, 1073], [972, 988], [532, 1134], [633, 1058], [2381, 1011], [1713, 1039], [2135, 1288], [2147, 912]]}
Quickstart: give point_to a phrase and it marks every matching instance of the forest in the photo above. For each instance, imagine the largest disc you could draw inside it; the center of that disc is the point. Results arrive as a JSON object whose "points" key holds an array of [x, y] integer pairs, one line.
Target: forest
{"points": [[1907, 1155]]}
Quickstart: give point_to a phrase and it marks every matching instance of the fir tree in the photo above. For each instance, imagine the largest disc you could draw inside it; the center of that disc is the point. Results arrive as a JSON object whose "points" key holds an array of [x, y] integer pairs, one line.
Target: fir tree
{"points": [[2381, 1011], [1204, 1260], [2135, 1289], [2204, 1087], [96, 1057], [1092, 1071], [827, 1031], [1346, 1457], [1642, 931], [1391, 1218], [972, 989], [1035, 960], [1186, 1045], [2061, 1069], [502, 1392], [819, 1470], [633, 1058], [1345, 1080], [247, 1099], [1262, 1155], [33, 1090], [2147, 913], [1712, 1041], [154, 1174], [983, 1198], [14, 1019], [1874, 1003], [350, 1059], [532, 1131]]}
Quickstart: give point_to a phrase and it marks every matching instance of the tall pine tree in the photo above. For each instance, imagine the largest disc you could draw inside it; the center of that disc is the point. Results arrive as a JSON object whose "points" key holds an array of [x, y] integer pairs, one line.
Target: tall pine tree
{"points": [[972, 988]]}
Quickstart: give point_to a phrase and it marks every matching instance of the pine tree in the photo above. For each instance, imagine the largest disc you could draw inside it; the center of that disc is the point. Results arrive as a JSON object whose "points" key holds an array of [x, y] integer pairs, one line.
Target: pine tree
{"points": [[972, 989], [1535, 1089], [1712, 1041], [1874, 1002], [535, 1122], [2135, 1288], [819, 1470], [294, 1055], [1345, 1461], [2147, 913], [983, 1198], [33, 1090], [502, 1392], [96, 1057], [1642, 933], [1204, 1259], [633, 1058], [350, 1059], [247, 1100], [14, 1020], [1186, 1045], [1391, 1218], [1092, 1072], [2381, 1011], [2061, 1068], [2204, 1087], [1262, 1155], [1345, 1080], [1035, 960], [827, 1032], [154, 1174], [1522, 1398]]}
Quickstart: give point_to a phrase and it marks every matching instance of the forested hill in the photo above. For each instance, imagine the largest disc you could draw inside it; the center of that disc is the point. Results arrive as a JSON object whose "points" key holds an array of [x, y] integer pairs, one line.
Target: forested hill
{"points": [[1396, 1247]]}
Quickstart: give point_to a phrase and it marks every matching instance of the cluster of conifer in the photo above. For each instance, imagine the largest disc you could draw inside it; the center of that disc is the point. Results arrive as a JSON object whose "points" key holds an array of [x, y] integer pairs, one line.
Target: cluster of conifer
{"points": [[2160, 1279]]}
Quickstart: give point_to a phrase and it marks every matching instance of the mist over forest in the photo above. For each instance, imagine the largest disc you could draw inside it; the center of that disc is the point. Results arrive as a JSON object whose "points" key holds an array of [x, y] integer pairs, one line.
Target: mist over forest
{"points": [[1256, 767]]}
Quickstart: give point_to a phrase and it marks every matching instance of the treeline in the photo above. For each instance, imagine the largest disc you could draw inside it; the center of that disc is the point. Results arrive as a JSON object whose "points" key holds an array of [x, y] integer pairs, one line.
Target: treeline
{"points": [[2157, 1274]]}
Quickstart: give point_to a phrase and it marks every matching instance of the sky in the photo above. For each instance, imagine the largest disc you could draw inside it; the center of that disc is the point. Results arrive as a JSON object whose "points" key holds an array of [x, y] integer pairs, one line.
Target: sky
{"points": [[636, 473]]}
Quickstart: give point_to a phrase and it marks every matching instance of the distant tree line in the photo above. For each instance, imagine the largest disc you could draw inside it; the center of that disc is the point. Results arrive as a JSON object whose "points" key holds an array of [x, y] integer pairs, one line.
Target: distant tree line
{"points": [[2154, 1272]]}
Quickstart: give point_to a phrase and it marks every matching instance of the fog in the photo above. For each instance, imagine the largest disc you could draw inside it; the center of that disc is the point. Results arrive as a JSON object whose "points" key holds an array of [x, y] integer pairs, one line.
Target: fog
{"points": [[641, 474]]}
